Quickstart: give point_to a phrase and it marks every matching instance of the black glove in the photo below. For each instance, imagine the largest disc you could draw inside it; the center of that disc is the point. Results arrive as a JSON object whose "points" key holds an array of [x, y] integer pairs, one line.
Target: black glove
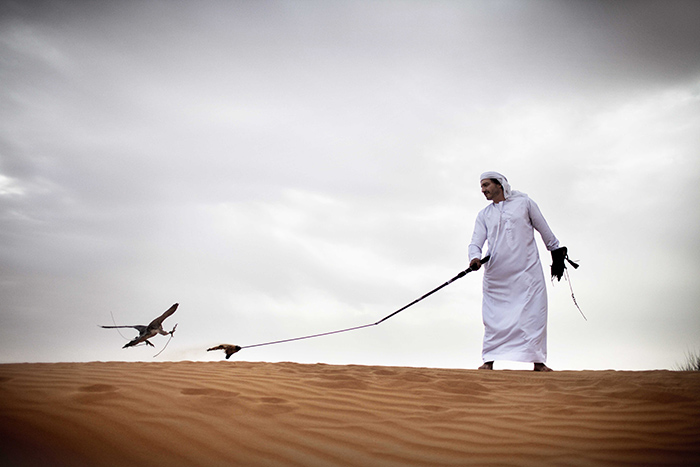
{"points": [[558, 264]]}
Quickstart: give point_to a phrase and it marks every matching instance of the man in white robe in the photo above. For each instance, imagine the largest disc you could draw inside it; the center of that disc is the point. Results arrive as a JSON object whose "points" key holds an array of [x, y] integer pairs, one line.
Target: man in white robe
{"points": [[514, 304]]}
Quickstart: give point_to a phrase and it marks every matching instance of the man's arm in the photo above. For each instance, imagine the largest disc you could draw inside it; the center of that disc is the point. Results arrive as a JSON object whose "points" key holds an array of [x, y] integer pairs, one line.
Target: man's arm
{"points": [[478, 240], [540, 224]]}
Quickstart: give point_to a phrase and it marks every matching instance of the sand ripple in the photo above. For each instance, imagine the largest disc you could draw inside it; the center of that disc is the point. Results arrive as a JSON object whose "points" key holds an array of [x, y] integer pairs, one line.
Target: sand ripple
{"points": [[265, 414]]}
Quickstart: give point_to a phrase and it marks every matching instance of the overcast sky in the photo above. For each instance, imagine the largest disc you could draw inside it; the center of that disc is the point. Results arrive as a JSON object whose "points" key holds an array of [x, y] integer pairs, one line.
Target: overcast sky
{"points": [[283, 169]]}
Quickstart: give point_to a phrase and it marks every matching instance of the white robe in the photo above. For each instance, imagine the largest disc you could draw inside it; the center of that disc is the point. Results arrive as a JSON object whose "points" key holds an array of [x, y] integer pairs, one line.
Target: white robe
{"points": [[514, 304]]}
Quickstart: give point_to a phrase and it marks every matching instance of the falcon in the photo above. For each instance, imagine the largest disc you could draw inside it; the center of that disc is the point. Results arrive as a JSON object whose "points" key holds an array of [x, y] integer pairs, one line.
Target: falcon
{"points": [[146, 332], [228, 348]]}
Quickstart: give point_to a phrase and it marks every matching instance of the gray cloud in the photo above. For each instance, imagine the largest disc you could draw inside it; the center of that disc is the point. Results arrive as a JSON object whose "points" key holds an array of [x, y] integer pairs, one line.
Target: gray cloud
{"points": [[288, 168]]}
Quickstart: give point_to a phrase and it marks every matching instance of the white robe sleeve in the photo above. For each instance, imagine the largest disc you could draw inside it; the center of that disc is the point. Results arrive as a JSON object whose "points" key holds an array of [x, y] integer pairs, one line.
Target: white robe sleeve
{"points": [[478, 238], [540, 224]]}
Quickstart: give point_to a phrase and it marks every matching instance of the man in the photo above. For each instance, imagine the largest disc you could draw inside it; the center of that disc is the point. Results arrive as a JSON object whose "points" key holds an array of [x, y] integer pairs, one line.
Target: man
{"points": [[514, 304]]}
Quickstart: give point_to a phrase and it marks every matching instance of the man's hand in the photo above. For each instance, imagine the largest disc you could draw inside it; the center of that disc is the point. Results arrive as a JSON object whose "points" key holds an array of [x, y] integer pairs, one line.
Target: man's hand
{"points": [[558, 265], [475, 264]]}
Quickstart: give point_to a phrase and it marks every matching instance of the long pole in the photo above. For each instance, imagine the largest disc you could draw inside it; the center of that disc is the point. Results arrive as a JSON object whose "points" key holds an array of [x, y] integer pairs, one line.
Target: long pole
{"points": [[458, 276]]}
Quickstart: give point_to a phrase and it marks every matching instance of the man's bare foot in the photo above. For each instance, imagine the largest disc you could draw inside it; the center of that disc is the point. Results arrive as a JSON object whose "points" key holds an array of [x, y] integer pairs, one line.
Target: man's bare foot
{"points": [[542, 367], [486, 366]]}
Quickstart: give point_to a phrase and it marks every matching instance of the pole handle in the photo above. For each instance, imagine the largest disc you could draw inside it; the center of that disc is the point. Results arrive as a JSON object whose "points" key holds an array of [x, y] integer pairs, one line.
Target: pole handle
{"points": [[484, 260]]}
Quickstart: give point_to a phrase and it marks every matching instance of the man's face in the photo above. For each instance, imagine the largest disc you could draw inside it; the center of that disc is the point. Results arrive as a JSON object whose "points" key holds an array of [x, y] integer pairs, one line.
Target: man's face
{"points": [[492, 191]]}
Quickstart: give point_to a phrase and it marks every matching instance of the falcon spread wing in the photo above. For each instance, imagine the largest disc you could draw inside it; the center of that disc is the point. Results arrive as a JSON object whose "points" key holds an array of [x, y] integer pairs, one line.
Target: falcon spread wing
{"points": [[158, 322]]}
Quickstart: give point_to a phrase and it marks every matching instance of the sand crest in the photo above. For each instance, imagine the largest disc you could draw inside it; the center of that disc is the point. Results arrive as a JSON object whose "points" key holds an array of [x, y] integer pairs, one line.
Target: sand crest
{"points": [[287, 414]]}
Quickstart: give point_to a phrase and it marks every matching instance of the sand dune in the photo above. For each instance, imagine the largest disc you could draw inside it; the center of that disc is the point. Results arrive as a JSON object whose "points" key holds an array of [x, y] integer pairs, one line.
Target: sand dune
{"points": [[287, 414]]}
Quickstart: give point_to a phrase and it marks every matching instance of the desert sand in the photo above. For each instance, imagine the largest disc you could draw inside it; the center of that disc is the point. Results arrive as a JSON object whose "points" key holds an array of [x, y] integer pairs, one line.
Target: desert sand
{"points": [[287, 414]]}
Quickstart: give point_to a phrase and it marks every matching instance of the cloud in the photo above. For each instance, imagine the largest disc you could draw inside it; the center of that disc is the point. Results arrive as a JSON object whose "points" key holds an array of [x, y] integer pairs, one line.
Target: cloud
{"points": [[286, 168]]}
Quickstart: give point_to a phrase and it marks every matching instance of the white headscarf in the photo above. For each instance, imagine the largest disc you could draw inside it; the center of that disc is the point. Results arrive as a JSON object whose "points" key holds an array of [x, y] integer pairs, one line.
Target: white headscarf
{"points": [[507, 192]]}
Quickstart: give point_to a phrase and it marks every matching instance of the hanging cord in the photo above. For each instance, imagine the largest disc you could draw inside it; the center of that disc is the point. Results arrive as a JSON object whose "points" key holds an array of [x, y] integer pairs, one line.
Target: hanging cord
{"points": [[560, 257], [458, 276], [169, 339], [115, 325], [568, 279]]}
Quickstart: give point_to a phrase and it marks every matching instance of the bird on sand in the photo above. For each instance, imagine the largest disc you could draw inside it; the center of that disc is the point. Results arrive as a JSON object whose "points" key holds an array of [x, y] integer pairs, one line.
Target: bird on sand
{"points": [[228, 348], [146, 332]]}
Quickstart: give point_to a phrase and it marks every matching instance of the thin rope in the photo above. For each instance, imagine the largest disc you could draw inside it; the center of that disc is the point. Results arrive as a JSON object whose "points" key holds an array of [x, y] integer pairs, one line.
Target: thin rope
{"points": [[166, 344], [115, 324], [308, 337], [568, 279]]}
